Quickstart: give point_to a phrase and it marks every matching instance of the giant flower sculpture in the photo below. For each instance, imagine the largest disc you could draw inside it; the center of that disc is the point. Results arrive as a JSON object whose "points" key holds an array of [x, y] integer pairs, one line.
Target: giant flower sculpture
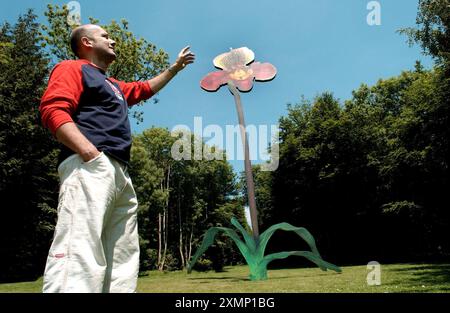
{"points": [[235, 68], [239, 72]]}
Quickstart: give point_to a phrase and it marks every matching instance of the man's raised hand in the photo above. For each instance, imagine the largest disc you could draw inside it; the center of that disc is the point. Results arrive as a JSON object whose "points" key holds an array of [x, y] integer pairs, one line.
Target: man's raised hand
{"points": [[184, 58]]}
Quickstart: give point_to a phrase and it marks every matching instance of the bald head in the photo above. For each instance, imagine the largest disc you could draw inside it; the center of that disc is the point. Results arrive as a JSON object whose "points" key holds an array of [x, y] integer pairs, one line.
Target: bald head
{"points": [[80, 32], [91, 42]]}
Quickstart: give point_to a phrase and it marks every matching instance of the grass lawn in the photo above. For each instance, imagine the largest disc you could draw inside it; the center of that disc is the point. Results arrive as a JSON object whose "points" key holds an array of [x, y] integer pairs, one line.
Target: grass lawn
{"points": [[394, 278]]}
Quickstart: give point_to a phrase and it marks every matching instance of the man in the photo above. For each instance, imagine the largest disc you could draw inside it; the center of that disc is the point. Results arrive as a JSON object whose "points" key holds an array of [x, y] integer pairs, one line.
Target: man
{"points": [[95, 247]]}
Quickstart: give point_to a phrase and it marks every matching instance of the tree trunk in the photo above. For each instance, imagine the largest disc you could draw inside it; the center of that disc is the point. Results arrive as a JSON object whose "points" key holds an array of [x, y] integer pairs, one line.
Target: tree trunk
{"points": [[159, 240], [190, 242], [166, 220], [183, 262], [180, 248], [186, 244], [163, 259]]}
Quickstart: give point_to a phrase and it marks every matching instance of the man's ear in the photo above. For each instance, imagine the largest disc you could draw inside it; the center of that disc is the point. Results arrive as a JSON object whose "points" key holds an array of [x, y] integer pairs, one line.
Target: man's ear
{"points": [[85, 41]]}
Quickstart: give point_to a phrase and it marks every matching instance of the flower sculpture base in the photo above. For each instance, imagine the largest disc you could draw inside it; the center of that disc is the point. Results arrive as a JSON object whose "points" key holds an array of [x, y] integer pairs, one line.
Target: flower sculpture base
{"points": [[253, 250]]}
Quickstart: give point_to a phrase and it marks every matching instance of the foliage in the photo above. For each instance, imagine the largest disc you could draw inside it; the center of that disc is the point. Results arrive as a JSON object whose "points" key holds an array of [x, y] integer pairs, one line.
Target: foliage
{"points": [[382, 159], [28, 183], [433, 20], [199, 195], [5, 52]]}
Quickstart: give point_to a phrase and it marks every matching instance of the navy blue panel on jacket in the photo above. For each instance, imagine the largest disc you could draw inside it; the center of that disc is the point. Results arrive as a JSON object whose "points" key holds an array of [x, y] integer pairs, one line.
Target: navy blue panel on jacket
{"points": [[80, 92], [102, 115]]}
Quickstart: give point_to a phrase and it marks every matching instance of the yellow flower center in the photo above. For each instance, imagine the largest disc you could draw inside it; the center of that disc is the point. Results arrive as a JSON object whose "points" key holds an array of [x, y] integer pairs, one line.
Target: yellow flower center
{"points": [[241, 74]]}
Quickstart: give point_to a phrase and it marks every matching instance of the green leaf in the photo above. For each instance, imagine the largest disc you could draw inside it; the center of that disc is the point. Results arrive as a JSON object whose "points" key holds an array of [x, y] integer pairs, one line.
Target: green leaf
{"points": [[249, 240], [307, 254], [302, 232], [208, 240]]}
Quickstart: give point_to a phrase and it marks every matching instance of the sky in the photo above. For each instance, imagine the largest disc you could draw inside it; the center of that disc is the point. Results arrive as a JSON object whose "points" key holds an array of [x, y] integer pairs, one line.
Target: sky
{"points": [[316, 46]]}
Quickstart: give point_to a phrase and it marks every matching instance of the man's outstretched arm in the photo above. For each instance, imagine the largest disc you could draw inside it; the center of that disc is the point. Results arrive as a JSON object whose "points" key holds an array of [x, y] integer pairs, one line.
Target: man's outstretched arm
{"points": [[184, 58]]}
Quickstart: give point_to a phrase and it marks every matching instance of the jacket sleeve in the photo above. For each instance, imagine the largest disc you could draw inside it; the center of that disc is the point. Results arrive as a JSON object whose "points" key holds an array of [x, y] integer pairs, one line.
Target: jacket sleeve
{"points": [[60, 100], [135, 92]]}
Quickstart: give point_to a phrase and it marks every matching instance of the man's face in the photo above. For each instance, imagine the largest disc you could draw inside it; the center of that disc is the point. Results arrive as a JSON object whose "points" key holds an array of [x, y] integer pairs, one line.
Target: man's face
{"points": [[102, 45]]}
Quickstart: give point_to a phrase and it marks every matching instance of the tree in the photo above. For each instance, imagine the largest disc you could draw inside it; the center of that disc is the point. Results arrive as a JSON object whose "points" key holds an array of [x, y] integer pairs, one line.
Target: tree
{"points": [[370, 174], [433, 21], [180, 199], [215, 192], [137, 59], [5, 53], [28, 154], [430, 114], [146, 177], [156, 143]]}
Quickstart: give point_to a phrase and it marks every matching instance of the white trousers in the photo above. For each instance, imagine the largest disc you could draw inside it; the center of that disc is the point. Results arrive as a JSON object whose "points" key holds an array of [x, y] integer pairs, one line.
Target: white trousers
{"points": [[96, 245]]}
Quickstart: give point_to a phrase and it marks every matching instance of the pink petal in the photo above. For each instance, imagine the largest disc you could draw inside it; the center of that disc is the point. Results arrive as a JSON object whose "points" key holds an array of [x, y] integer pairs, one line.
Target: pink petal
{"points": [[245, 84], [214, 80], [263, 71]]}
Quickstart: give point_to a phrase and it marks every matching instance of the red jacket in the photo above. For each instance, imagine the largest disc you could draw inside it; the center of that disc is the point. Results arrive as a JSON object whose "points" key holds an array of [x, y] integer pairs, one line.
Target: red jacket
{"points": [[80, 92]]}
